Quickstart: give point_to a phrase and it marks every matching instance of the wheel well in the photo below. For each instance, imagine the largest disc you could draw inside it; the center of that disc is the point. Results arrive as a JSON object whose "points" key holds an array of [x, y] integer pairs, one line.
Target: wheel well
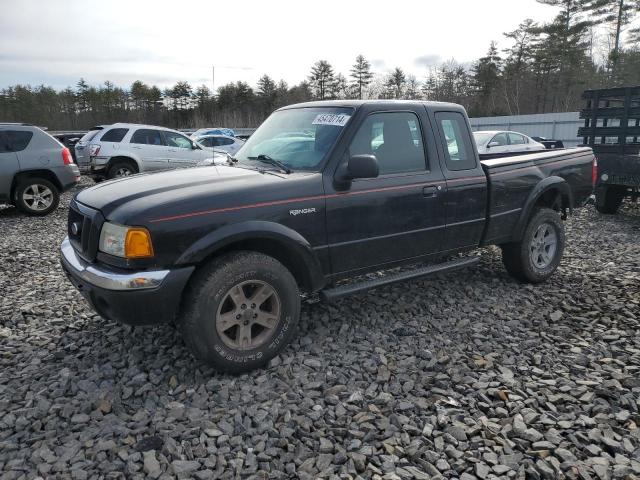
{"points": [[128, 160], [554, 199], [276, 249], [45, 174]]}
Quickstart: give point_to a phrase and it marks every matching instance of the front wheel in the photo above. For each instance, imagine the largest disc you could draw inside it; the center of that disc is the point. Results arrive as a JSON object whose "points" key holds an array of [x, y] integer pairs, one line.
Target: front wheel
{"points": [[37, 196], [538, 254], [240, 311]]}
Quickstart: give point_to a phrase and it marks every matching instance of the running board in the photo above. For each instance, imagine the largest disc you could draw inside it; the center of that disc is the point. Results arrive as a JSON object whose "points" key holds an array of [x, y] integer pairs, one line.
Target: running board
{"points": [[333, 294]]}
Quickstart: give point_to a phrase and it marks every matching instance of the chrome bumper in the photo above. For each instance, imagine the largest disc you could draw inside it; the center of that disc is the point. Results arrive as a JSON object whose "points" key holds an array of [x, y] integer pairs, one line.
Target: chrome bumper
{"points": [[108, 279]]}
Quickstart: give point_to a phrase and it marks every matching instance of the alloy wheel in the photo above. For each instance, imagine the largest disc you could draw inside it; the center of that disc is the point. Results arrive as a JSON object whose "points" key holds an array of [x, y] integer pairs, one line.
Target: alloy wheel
{"points": [[248, 315]]}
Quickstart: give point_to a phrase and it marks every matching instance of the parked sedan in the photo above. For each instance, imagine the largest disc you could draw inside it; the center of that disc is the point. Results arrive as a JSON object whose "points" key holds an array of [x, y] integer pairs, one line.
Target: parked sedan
{"points": [[494, 142], [220, 143]]}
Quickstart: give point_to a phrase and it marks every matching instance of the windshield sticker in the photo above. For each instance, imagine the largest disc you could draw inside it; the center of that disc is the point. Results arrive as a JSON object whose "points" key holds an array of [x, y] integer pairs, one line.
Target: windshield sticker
{"points": [[335, 119]]}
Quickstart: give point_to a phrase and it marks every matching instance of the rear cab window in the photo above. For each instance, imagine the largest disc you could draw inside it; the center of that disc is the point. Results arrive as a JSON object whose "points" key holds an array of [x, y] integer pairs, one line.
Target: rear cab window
{"points": [[147, 136], [456, 139], [114, 135]]}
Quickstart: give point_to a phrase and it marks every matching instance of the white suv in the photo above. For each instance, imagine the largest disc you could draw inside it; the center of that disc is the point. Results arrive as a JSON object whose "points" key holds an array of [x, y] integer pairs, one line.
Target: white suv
{"points": [[122, 149]]}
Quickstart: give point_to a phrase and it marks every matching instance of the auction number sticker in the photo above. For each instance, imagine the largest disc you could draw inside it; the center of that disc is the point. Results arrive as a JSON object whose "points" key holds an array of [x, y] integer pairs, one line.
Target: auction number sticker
{"points": [[335, 119]]}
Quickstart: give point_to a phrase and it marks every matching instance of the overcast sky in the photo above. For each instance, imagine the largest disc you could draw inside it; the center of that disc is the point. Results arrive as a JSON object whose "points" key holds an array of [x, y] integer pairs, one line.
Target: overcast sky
{"points": [[56, 42]]}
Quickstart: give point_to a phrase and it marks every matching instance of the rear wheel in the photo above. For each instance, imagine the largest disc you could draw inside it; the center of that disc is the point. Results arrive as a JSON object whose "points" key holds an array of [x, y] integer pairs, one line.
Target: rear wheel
{"points": [[121, 169], [609, 199], [538, 254], [240, 311], [37, 196]]}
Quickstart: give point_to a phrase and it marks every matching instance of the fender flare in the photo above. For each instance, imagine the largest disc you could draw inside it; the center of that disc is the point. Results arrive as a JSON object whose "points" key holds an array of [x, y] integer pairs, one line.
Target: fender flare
{"points": [[297, 248], [545, 185]]}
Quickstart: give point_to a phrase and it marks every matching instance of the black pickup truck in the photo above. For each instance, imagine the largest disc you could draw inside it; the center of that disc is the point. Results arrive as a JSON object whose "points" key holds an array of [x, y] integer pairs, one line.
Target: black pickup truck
{"points": [[612, 130], [321, 194]]}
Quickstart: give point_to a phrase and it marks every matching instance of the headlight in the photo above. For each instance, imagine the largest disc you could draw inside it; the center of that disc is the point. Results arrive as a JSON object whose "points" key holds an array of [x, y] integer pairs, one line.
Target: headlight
{"points": [[125, 242]]}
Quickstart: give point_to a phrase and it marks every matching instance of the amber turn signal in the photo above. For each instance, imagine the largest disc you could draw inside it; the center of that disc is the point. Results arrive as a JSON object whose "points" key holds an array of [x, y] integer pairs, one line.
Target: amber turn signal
{"points": [[137, 243]]}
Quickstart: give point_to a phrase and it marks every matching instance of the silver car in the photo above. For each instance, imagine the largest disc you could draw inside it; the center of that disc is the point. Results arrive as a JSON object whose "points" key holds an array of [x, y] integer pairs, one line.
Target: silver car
{"points": [[221, 143], [35, 168], [123, 149], [496, 142]]}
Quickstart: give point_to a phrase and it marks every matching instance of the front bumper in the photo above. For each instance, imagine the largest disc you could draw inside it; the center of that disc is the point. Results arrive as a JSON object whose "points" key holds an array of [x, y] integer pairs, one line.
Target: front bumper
{"points": [[136, 298]]}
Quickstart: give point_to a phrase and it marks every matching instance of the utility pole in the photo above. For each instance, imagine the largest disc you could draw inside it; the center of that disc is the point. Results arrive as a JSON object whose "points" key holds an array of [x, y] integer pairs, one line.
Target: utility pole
{"points": [[213, 90]]}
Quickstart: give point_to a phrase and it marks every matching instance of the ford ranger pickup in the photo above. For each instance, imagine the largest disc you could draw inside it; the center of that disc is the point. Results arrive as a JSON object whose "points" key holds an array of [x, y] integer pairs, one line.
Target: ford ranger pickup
{"points": [[321, 194]]}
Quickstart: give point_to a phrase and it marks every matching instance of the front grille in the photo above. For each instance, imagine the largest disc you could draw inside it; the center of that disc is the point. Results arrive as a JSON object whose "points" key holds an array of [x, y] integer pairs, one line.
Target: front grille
{"points": [[83, 228]]}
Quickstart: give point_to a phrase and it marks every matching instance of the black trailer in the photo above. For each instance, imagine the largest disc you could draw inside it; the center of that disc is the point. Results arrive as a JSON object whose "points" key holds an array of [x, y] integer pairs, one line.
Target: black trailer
{"points": [[612, 130]]}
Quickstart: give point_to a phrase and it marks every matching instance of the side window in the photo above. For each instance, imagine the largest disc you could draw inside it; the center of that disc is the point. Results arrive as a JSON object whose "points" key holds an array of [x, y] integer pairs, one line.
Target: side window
{"points": [[147, 137], [500, 139], [457, 139], [206, 142], [17, 140], [395, 138], [177, 140], [114, 135], [516, 139], [226, 141]]}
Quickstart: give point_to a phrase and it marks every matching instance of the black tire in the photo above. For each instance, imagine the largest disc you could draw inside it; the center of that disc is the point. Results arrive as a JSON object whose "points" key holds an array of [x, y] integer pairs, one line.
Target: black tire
{"points": [[119, 166], [209, 293], [523, 261], [47, 192], [609, 199]]}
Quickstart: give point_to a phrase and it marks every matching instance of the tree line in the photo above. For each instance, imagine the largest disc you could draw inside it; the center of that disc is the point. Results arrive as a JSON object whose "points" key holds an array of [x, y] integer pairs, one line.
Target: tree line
{"points": [[589, 44]]}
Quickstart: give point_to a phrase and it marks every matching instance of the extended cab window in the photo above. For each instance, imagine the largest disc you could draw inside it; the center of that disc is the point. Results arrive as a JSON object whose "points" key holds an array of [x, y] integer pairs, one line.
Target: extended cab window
{"points": [[177, 140], [147, 136], [114, 135], [455, 134], [395, 138]]}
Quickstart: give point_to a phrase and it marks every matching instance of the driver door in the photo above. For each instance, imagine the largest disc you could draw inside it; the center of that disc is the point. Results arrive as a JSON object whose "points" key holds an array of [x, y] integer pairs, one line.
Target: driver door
{"points": [[400, 214]]}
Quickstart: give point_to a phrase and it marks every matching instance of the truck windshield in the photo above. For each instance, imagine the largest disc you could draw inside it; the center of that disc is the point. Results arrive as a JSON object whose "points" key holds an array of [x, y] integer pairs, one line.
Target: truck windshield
{"points": [[299, 138]]}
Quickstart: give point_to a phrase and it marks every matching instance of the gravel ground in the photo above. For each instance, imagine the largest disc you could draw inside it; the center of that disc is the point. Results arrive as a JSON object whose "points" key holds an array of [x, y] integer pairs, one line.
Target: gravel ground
{"points": [[471, 376]]}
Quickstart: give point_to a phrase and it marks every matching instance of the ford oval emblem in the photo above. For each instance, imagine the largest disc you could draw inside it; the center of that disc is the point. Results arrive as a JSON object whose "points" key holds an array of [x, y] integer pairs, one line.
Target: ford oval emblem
{"points": [[75, 228]]}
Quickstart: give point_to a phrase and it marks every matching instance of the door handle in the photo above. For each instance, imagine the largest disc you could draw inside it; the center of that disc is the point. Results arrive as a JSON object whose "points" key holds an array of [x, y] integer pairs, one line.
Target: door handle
{"points": [[431, 191]]}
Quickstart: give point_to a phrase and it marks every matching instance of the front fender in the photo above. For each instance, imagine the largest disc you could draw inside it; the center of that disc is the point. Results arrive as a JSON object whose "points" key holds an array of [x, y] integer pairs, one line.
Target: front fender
{"points": [[558, 184], [297, 248]]}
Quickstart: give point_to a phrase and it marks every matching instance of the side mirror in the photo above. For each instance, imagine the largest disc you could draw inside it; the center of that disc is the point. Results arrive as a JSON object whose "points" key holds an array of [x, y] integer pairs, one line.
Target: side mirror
{"points": [[358, 166], [493, 144], [194, 146]]}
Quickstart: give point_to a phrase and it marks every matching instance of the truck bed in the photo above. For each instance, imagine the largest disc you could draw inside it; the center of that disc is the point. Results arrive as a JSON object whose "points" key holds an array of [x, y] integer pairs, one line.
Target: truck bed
{"points": [[511, 179]]}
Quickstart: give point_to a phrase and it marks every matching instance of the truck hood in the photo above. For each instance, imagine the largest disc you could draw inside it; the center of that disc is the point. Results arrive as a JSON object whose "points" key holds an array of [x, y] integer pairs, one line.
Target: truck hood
{"points": [[144, 196]]}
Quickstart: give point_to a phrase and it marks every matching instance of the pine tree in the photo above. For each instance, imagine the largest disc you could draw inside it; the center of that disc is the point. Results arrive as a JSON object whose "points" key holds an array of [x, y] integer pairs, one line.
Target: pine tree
{"points": [[486, 81], [361, 75], [618, 14], [412, 91], [322, 79], [395, 84]]}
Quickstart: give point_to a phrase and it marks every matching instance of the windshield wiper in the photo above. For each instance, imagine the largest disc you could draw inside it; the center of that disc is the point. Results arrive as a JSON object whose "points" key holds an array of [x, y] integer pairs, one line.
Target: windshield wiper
{"points": [[272, 161]]}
